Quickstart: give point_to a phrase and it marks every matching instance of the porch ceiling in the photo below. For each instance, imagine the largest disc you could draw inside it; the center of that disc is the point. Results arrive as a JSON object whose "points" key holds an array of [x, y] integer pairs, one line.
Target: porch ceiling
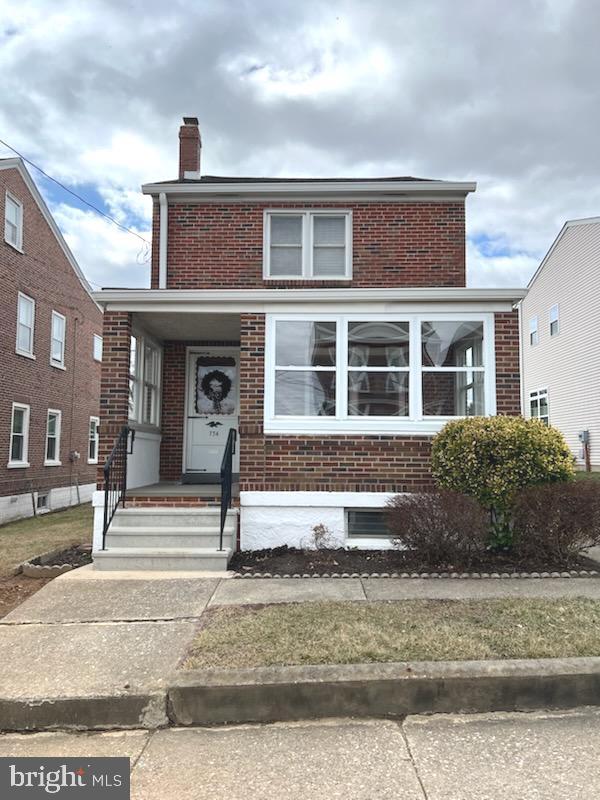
{"points": [[190, 327]]}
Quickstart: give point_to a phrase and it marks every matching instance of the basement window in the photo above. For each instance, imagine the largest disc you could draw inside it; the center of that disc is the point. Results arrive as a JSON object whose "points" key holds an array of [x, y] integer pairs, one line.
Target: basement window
{"points": [[42, 502], [367, 523]]}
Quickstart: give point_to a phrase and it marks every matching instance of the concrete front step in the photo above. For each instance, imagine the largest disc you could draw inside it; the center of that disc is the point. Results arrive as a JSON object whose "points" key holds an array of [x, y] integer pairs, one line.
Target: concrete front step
{"points": [[155, 517], [163, 558], [157, 538]]}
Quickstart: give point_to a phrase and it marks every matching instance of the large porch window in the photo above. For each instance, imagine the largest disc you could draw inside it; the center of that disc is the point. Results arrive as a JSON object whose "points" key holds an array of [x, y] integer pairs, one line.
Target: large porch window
{"points": [[372, 372], [144, 380]]}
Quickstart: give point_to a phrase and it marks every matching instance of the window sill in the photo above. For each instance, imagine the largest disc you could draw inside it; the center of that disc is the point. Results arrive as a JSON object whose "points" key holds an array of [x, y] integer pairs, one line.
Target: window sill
{"points": [[53, 463], [92, 461], [309, 278], [17, 465], [25, 355], [14, 246], [58, 366]]}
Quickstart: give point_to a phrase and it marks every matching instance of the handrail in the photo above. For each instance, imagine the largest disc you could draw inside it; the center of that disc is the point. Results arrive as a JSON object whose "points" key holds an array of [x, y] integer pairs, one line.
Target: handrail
{"points": [[227, 479], [115, 478]]}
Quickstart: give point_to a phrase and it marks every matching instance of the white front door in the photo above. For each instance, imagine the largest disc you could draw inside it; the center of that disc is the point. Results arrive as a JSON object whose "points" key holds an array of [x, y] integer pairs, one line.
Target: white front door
{"points": [[212, 408]]}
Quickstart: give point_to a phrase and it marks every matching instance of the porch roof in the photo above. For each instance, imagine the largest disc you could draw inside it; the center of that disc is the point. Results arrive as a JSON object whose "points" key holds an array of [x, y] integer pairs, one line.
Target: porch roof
{"points": [[236, 301]]}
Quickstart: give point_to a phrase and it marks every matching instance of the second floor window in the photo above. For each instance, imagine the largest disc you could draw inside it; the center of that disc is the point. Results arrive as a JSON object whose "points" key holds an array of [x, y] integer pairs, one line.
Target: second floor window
{"points": [[13, 222], [554, 321], [308, 245], [533, 331], [25, 324], [57, 344]]}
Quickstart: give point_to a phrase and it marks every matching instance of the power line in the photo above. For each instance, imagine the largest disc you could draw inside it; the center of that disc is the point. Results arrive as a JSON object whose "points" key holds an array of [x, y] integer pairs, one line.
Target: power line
{"points": [[70, 191]]}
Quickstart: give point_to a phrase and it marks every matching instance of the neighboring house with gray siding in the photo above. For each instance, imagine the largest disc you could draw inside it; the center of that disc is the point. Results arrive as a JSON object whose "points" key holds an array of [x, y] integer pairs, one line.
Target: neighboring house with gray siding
{"points": [[560, 334]]}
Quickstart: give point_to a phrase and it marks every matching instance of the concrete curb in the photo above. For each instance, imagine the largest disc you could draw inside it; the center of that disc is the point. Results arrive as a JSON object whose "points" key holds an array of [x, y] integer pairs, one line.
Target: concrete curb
{"points": [[93, 712], [213, 697]]}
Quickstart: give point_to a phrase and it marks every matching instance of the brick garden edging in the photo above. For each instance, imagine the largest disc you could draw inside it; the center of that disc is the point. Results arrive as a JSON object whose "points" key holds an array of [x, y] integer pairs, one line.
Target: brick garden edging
{"points": [[582, 573]]}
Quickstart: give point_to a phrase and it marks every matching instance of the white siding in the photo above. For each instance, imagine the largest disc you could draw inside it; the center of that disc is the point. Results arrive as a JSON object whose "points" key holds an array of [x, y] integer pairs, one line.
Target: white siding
{"points": [[568, 365]]}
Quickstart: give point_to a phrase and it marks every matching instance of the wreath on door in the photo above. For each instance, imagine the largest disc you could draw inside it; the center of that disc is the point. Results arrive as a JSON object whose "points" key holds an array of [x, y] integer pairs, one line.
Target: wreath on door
{"points": [[216, 386]]}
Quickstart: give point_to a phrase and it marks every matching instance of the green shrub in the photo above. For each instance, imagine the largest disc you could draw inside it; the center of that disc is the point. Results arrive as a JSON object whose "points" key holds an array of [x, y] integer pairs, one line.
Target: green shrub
{"points": [[492, 458], [553, 523]]}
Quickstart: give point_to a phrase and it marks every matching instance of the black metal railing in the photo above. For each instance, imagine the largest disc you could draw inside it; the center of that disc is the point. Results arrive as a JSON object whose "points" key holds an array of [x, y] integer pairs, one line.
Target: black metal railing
{"points": [[115, 478], [227, 480]]}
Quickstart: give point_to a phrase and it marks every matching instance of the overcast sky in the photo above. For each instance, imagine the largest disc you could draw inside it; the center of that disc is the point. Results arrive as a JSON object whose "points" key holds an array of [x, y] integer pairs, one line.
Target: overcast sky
{"points": [[505, 93]]}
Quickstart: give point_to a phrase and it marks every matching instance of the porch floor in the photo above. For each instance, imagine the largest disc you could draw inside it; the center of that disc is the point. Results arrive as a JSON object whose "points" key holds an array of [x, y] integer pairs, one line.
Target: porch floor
{"points": [[177, 489]]}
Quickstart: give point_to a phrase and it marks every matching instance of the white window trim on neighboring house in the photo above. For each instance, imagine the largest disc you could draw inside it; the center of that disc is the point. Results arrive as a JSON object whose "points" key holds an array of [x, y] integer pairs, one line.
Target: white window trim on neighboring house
{"points": [[55, 362], [21, 297], [535, 396], [53, 462], [416, 421], [554, 320], [23, 462], [97, 347], [95, 439], [534, 336], [307, 243], [18, 244], [141, 385]]}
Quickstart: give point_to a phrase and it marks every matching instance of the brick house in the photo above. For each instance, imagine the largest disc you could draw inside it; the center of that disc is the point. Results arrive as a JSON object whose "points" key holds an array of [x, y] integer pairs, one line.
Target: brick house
{"points": [[50, 359], [327, 322]]}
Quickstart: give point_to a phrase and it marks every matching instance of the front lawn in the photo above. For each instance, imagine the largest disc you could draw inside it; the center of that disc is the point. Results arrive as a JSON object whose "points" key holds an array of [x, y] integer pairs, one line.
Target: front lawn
{"points": [[33, 536], [416, 630]]}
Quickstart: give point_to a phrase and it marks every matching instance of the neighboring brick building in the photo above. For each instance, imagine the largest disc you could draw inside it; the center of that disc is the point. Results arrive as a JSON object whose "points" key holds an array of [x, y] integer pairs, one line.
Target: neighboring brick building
{"points": [[50, 359], [326, 321]]}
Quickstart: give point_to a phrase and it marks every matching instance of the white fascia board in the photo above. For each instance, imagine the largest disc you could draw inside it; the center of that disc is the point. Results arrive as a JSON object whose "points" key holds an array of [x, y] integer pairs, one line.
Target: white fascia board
{"points": [[17, 163], [263, 300], [407, 188]]}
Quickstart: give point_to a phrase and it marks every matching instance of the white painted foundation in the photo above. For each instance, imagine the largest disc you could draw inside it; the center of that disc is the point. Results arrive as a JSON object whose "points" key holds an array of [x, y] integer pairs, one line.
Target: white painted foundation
{"points": [[272, 519], [20, 506], [143, 464]]}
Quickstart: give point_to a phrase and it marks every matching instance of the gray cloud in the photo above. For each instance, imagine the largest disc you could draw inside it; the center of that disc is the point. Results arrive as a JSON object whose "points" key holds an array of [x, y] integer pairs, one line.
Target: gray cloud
{"points": [[505, 93]]}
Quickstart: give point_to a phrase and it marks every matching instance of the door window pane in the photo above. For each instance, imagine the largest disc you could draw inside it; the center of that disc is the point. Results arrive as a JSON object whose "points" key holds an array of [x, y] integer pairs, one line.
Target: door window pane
{"points": [[305, 344], [304, 393]]}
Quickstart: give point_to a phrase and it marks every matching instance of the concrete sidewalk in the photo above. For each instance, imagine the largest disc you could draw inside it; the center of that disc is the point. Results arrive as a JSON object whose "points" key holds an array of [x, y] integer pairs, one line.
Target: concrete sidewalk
{"points": [[546, 756]]}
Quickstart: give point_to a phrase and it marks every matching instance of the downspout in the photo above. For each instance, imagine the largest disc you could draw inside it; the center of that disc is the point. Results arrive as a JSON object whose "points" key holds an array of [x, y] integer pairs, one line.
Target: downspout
{"points": [[162, 240]]}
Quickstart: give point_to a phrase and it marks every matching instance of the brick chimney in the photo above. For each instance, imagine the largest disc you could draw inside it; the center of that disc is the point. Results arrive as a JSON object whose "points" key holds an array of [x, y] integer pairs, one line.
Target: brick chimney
{"points": [[189, 148]]}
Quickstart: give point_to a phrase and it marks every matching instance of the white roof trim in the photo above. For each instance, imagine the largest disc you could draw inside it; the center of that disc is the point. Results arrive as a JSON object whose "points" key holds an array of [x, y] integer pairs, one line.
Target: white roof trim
{"points": [[17, 163], [191, 300], [570, 223], [296, 188]]}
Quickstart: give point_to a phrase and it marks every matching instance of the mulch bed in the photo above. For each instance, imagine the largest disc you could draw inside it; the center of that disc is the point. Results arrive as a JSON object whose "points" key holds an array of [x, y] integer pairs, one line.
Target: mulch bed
{"points": [[76, 556], [290, 560]]}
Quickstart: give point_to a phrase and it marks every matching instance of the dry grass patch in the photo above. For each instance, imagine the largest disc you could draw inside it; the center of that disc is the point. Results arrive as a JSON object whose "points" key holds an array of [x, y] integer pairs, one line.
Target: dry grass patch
{"points": [[31, 537], [419, 630]]}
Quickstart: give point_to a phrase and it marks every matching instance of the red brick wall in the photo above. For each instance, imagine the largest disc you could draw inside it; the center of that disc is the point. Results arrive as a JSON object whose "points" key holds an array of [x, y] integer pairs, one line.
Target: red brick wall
{"points": [[220, 245], [114, 397], [508, 382], [43, 272]]}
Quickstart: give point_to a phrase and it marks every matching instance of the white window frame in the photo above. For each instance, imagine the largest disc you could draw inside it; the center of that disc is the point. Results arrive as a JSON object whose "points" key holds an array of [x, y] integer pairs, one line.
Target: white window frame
{"points": [[308, 216], [534, 332], [537, 394], [18, 245], [53, 462], [55, 362], [21, 296], [24, 462], [97, 339], [416, 421], [95, 439], [553, 316], [139, 380]]}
